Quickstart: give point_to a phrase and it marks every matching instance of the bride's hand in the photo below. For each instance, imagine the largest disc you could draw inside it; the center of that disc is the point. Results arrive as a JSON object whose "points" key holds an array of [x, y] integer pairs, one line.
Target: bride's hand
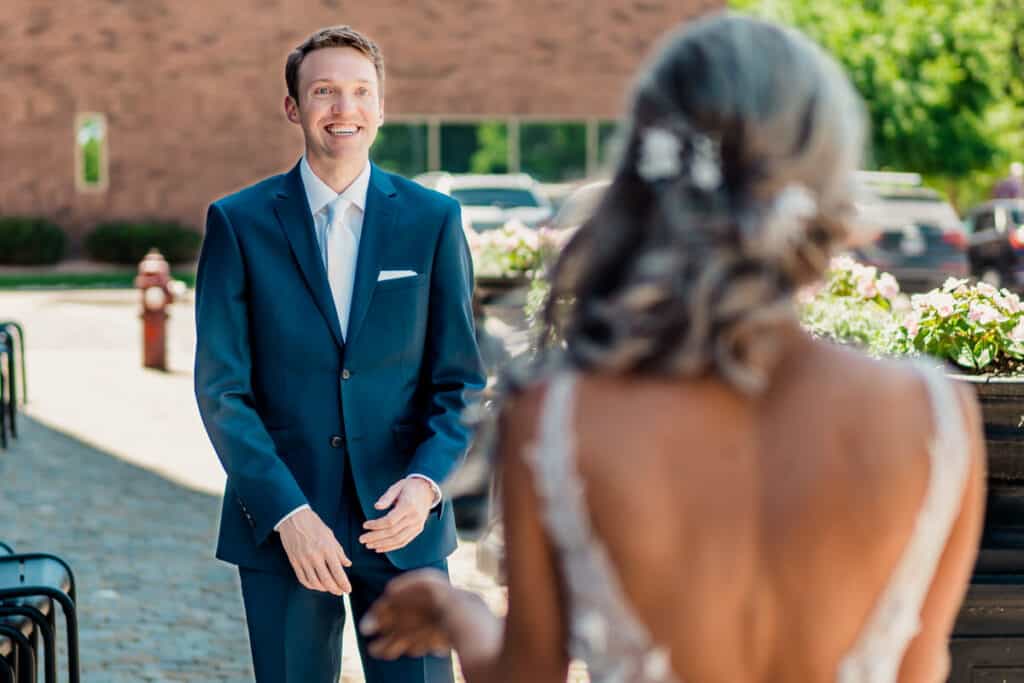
{"points": [[411, 617]]}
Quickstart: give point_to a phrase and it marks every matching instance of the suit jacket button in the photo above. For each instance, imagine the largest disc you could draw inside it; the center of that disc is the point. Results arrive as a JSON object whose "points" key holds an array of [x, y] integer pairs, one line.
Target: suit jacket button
{"points": [[337, 441], [345, 374]]}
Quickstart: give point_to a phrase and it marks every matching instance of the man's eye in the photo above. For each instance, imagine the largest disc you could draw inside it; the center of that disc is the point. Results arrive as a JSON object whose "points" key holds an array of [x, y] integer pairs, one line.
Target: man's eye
{"points": [[363, 91], [322, 91]]}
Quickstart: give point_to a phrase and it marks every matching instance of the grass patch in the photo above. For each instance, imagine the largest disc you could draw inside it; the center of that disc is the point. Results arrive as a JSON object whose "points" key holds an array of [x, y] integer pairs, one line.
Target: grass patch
{"points": [[115, 280]]}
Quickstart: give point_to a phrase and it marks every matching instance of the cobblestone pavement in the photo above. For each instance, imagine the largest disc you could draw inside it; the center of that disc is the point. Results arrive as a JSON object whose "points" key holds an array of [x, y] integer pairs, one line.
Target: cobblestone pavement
{"points": [[114, 472]]}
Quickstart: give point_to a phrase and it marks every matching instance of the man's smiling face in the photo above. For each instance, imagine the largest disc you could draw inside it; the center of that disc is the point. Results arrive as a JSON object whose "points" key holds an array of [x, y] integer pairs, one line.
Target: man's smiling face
{"points": [[339, 107]]}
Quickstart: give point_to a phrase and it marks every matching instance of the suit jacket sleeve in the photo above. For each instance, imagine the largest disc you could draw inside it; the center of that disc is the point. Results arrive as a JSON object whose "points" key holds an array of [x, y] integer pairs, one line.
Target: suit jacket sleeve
{"points": [[453, 368], [265, 487]]}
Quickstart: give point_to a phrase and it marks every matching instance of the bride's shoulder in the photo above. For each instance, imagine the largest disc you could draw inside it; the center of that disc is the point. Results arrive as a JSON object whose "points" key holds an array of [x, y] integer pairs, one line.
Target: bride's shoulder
{"points": [[864, 374]]}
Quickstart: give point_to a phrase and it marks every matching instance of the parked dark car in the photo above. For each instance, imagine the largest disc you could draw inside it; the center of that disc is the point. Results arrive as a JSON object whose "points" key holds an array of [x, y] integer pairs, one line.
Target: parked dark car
{"points": [[921, 240], [996, 242]]}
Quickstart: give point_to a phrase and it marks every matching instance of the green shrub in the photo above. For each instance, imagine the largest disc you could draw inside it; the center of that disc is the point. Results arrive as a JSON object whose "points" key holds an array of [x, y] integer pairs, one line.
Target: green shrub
{"points": [[126, 242], [26, 241]]}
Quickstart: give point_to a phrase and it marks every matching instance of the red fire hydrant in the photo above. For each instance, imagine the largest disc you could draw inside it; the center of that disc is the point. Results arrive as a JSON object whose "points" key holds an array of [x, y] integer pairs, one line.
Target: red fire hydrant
{"points": [[154, 284]]}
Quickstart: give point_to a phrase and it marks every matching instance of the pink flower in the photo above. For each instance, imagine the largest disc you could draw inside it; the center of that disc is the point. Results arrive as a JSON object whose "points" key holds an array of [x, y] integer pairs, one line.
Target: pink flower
{"points": [[953, 283], [866, 287], [888, 287], [864, 277], [1017, 333], [913, 323], [1009, 302], [841, 263], [983, 313], [985, 289], [942, 303]]}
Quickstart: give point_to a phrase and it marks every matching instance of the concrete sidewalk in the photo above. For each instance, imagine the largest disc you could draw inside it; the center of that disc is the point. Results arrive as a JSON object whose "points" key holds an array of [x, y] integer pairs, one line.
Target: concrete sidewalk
{"points": [[113, 470]]}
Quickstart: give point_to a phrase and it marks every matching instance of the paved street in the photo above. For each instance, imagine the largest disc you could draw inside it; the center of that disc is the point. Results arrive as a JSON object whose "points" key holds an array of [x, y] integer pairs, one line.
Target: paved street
{"points": [[114, 472]]}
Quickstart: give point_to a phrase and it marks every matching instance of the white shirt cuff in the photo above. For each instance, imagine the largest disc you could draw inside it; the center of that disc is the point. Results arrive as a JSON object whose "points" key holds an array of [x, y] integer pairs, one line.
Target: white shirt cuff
{"points": [[286, 517], [433, 485]]}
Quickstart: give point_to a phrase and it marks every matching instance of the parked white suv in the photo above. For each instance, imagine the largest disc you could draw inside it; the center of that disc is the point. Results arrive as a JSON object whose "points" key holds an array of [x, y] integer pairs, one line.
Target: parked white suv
{"points": [[490, 201]]}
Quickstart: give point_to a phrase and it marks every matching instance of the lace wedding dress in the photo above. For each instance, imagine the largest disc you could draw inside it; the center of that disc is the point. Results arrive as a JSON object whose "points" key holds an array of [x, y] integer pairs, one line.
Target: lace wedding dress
{"points": [[604, 631]]}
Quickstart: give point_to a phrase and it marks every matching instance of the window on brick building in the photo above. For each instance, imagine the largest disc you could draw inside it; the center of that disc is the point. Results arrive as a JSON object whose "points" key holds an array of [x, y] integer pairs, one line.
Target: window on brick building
{"points": [[91, 152], [553, 152], [606, 142], [478, 147], [401, 148]]}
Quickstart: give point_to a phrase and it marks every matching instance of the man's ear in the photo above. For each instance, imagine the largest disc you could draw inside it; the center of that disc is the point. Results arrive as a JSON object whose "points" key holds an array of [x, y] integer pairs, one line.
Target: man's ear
{"points": [[291, 109]]}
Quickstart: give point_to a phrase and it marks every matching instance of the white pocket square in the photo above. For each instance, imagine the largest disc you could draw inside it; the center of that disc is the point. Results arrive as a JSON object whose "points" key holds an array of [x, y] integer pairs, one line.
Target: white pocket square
{"points": [[395, 274]]}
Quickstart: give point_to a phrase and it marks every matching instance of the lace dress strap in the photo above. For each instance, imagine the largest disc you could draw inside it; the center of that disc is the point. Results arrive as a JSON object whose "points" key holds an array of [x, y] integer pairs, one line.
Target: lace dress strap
{"points": [[603, 630], [895, 621]]}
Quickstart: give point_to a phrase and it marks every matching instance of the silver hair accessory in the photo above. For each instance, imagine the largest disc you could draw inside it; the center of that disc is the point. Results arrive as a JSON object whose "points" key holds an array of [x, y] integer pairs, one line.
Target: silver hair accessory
{"points": [[662, 157], [659, 155], [792, 207], [706, 166]]}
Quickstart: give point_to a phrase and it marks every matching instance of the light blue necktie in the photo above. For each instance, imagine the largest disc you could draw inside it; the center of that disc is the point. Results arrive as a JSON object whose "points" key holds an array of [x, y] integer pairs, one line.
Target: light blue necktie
{"points": [[341, 259]]}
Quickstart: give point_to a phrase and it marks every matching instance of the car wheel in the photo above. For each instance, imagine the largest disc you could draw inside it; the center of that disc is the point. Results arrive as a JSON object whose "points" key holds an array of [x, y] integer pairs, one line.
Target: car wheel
{"points": [[992, 276]]}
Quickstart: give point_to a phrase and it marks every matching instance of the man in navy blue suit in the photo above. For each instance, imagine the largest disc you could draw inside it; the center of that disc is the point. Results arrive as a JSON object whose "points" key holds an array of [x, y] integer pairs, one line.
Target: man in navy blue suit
{"points": [[334, 358]]}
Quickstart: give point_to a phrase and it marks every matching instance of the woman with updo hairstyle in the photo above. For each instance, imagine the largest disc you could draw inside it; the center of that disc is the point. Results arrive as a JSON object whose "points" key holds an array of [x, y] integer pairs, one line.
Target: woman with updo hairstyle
{"points": [[695, 490]]}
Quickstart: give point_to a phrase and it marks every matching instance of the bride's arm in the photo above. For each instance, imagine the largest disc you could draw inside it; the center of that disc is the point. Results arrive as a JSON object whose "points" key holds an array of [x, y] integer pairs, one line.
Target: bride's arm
{"points": [[421, 612], [531, 646]]}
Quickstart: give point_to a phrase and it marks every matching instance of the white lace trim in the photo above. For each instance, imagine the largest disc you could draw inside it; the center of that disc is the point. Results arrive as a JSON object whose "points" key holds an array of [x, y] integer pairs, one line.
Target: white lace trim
{"points": [[603, 630], [879, 651]]}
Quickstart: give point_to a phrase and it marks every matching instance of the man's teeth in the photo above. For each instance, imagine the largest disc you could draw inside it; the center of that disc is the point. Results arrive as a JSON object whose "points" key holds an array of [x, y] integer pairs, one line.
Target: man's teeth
{"points": [[342, 130]]}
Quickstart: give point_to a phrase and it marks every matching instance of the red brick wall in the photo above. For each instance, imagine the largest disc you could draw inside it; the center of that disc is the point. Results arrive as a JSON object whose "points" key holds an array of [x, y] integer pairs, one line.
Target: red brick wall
{"points": [[192, 89]]}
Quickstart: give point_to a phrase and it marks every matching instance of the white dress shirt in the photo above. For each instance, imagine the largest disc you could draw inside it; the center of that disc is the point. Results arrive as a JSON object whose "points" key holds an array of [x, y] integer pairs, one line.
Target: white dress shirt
{"points": [[319, 194]]}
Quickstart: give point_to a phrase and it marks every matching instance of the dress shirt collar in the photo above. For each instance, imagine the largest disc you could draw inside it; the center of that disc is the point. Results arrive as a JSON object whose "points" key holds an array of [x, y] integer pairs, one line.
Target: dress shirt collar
{"points": [[319, 194]]}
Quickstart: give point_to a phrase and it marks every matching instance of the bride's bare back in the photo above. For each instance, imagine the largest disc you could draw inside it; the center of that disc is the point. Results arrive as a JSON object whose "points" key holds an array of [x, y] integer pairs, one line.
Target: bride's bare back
{"points": [[751, 536]]}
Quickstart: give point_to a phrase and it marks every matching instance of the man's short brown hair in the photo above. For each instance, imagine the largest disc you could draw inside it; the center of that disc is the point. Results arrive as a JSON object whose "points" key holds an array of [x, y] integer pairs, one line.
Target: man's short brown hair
{"points": [[333, 36]]}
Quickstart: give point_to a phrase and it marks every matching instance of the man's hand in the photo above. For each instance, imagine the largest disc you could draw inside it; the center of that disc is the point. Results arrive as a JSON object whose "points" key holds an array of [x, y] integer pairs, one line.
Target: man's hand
{"points": [[314, 553], [412, 499]]}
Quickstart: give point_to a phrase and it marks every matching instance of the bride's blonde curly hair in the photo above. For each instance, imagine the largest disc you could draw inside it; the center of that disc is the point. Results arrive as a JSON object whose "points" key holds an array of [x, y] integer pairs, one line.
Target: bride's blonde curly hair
{"points": [[733, 187]]}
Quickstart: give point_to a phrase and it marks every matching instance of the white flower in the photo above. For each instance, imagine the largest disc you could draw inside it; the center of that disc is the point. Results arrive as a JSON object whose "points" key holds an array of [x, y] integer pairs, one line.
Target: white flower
{"points": [[952, 283], [942, 303], [983, 313], [1017, 333], [985, 289], [842, 263], [866, 287], [1008, 301], [659, 155], [862, 272], [913, 323], [888, 287]]}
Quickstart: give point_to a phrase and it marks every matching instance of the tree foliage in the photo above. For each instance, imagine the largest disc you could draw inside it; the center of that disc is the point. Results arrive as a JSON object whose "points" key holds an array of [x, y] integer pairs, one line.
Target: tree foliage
{"points": [[941, 78]]}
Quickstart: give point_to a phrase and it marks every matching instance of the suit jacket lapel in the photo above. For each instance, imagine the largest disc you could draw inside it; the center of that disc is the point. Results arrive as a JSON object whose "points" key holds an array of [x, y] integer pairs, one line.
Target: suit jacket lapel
{"points": [[377, 222], [292, 209]]}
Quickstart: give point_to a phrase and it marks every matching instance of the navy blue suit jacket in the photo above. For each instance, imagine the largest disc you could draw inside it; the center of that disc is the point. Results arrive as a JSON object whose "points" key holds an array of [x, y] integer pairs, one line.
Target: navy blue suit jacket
{"points": [[289, 404]]}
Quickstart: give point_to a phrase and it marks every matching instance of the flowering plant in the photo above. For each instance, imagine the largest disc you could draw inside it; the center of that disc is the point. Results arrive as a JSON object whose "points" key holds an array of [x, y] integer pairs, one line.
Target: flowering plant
{"points": [[977, 327], [514, 250], [854, 305]]}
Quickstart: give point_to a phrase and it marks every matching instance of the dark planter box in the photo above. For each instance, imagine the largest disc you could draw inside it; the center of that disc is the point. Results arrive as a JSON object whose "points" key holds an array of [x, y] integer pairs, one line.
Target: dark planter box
{"points": [[988, 637], [495, 289]]}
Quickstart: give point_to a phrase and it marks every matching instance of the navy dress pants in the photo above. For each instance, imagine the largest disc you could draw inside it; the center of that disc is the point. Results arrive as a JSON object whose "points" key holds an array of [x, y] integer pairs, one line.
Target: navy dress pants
{"points": [[296, 633]]}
